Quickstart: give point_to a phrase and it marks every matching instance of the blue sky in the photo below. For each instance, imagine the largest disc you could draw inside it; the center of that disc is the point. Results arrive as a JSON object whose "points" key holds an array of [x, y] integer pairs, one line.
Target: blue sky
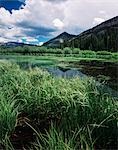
{"points": [[36, 21], [11, 4]]}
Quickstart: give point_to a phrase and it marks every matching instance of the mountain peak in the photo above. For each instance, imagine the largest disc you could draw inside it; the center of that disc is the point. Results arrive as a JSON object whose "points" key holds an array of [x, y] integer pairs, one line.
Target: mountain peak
{"points": [[100, 37], [55, 42], [64, 33]]}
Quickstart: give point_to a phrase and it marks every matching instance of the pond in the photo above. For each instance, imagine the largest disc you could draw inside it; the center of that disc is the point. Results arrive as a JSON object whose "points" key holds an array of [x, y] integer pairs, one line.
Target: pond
{"points": [[102, 71], [55, 70]]}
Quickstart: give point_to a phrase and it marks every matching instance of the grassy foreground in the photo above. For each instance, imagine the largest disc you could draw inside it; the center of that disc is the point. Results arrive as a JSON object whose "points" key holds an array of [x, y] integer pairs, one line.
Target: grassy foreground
{"points": [[38, 111]]}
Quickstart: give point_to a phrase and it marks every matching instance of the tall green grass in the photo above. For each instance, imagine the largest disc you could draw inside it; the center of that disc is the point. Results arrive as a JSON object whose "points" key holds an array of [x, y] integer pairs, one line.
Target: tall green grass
{"points": [[67, 113]]}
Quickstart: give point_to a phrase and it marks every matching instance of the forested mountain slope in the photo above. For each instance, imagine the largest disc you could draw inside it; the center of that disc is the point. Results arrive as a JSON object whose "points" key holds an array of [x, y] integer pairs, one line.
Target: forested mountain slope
{"points": [[102, 37]]}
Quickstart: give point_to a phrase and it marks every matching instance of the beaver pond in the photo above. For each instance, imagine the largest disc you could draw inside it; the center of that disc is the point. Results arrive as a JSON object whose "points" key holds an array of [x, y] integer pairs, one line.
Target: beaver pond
{"points": [[102, 71]]}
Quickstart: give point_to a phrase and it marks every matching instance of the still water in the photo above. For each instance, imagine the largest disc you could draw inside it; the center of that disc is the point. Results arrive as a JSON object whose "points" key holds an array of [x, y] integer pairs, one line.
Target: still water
{"points": [[102, 72]]}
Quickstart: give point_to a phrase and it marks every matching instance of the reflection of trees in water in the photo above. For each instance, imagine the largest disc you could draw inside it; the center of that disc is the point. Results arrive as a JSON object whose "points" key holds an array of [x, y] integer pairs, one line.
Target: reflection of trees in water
{"points": [[95, 69], [69, 73]]}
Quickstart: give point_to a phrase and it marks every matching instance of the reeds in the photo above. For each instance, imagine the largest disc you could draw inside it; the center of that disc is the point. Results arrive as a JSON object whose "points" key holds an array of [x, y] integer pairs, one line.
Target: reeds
{"points": [[67, 113]]}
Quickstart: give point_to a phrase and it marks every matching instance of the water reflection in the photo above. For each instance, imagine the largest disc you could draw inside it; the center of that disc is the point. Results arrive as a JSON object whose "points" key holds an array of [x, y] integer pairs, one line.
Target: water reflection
{"points": [[99, 72], [54, 70], [65, 74], [106, 71]]}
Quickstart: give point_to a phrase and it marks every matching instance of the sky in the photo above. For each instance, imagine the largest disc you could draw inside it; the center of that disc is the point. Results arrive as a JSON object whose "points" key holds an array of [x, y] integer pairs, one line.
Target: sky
{"points": [[36, 21]]}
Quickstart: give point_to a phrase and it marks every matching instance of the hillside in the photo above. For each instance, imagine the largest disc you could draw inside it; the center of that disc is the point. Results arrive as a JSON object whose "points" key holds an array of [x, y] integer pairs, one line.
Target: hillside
{"points": [[101, 37], [59, 40]]}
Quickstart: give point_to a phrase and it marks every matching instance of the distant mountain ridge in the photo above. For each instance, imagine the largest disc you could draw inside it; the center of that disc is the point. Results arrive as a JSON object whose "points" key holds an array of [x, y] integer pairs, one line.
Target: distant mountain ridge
{"points": [[101, 37], [14, 44], [107, 24]]}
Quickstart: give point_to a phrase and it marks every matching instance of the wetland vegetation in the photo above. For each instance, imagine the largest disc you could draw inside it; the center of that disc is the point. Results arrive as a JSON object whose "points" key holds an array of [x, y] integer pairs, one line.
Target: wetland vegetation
{"points": [[40, 111], [63, 101]]}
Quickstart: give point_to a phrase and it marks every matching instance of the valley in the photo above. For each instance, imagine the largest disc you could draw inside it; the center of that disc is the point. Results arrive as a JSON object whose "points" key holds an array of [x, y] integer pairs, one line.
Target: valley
{"points": [[62, 95]]}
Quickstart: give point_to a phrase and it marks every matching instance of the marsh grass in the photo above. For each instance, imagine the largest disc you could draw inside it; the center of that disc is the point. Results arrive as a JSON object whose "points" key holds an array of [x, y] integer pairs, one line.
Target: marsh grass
{"points": [[67, 113], [8, 116]]}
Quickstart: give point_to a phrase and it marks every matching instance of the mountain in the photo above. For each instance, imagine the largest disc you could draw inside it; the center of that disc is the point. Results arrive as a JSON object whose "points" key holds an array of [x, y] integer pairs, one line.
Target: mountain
{"points": [[14, 44], [101, 37], [59, 40]]}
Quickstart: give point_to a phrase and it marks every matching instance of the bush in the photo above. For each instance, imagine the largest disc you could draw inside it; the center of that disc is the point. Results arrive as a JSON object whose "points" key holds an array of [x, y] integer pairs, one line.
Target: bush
{"points": [[88, 53], [103, 53], [67, 50], [76, 51], [115, 56]]}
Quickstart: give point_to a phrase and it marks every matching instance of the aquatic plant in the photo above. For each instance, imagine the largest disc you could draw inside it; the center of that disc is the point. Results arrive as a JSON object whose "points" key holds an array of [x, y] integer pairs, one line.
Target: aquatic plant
{"points": [[68, 113]]}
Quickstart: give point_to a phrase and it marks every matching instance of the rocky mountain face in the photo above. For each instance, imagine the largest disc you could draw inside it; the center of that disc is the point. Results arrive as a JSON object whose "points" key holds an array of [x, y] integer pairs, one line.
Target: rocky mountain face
{"points": [[102, 37]]}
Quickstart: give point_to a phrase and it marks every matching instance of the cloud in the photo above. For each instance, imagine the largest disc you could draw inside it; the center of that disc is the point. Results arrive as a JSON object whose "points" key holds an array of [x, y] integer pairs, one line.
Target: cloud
{"points": [[40, 43], [47, 18], [35, 30], [12, 4], [98, 21], [3, 40], [102, 12], [58, 23], [29, 40]]}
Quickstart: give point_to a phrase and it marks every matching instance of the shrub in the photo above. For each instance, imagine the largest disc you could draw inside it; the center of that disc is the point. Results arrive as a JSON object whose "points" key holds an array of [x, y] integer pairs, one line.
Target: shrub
{"points": [[76, 51], [87, 53], [103, 53], [67, 50]]}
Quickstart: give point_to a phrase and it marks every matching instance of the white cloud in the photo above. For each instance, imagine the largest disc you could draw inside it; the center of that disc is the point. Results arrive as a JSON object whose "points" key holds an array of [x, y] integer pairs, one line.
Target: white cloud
{"points": [[29, 39], [98, 21], [102, 12], [67, 15], [40, 43], [3, 40], [58, 23]]}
